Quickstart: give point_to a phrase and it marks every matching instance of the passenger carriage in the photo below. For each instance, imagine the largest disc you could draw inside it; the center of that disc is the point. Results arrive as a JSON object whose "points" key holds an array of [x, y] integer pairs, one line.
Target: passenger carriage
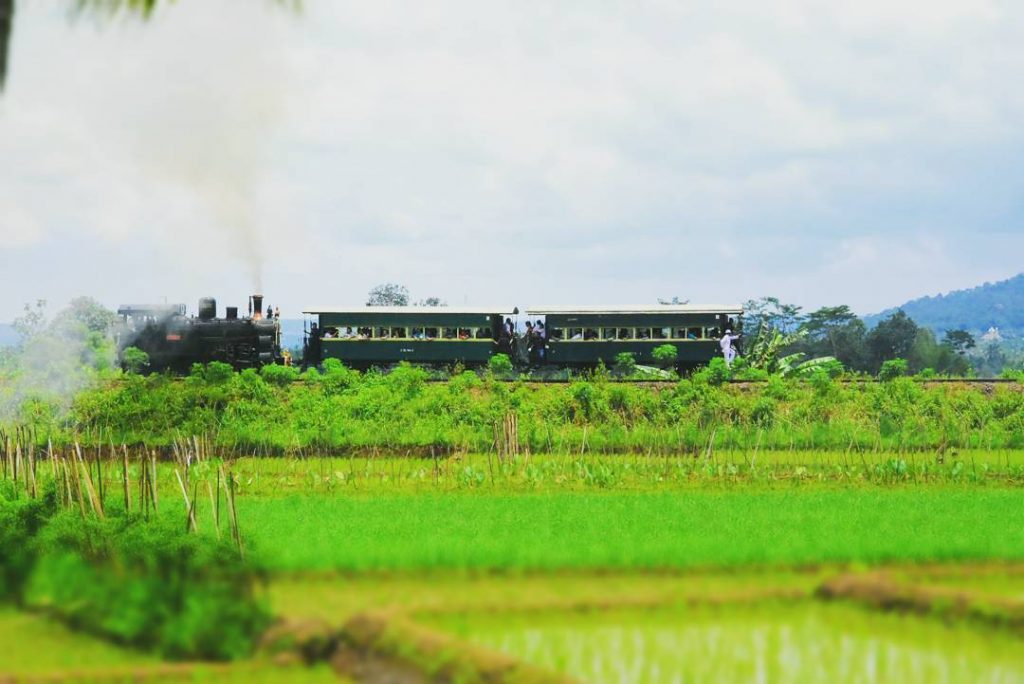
{"points": [[361, 337], [583, 336]]}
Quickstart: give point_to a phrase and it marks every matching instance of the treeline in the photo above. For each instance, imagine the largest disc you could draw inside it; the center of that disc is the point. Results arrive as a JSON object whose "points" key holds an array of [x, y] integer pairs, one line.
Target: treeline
{"points": [[338, 410], [839, 333]]}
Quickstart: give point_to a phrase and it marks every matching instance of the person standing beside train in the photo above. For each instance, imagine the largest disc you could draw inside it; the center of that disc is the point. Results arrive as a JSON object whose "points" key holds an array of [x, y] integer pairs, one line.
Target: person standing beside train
{"points": [[728, 351]]}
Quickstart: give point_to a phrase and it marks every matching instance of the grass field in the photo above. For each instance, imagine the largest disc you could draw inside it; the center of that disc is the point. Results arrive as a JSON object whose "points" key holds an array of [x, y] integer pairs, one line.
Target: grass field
{"points": [[36, 647], [740, 527], [610, 568]]}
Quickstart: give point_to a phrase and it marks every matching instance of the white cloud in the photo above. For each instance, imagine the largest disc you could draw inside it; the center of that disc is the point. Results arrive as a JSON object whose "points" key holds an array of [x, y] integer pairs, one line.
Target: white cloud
{"points": [[619, 151]]}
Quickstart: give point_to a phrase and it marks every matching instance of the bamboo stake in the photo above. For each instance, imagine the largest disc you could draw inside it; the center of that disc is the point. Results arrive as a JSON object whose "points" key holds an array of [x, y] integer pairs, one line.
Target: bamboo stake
{"points": [[124, 479], [152, 481], [78, 489], [234, 514], [213, 507], [190, 521], [97, 506], [31, 471], [53, 459]]}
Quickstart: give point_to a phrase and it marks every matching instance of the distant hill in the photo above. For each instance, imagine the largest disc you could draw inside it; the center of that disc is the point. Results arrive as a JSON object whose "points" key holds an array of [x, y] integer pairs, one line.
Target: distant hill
{"points": [[999, 305]]}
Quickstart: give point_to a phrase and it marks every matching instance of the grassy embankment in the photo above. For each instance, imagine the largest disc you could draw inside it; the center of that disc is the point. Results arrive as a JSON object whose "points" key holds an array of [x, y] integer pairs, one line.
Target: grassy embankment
{"points": [[343, 411]]}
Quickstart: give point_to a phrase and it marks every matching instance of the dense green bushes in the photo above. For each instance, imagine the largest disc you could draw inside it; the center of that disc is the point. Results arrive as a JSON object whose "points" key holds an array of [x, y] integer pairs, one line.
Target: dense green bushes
{"points": [[147, 584], [341, 409]]}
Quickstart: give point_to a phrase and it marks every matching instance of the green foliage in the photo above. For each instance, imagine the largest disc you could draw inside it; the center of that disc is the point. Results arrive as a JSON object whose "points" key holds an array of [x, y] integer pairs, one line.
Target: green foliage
{"points": [[892, 369], [625, 363], [20, 522], [665, 355], [151, 585], [134, 360], [717, 373], [148, 584], [217, 373], [500, 365], [278, 375]]}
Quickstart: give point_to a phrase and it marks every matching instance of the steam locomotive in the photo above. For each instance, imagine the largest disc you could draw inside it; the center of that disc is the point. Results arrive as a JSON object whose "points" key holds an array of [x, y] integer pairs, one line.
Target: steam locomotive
{"points": [[174, 341], [367, 337]]}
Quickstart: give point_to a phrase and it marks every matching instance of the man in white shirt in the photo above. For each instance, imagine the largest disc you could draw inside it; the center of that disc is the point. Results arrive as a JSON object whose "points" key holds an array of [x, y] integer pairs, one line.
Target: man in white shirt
{"points": [[727, 349]]}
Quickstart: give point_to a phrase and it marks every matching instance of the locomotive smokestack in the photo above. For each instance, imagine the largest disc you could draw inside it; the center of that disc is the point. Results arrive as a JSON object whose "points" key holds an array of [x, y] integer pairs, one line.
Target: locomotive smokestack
{"points": [[257, 307]]}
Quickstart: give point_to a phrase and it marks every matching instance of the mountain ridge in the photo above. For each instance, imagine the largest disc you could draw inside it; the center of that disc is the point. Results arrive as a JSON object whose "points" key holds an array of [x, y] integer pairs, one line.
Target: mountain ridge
{"points": [[989, 305]]}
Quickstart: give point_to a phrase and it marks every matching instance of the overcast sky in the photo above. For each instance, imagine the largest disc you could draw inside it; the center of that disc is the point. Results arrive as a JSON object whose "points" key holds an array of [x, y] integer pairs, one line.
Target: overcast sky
{"points": [[513, 153]]}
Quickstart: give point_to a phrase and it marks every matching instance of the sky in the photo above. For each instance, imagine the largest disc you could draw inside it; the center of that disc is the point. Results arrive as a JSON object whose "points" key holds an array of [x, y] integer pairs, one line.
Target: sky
{"points": [[511, 153]]}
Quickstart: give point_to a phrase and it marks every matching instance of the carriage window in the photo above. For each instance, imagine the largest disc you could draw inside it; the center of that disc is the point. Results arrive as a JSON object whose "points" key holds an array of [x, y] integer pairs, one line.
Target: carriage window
{"points": [[399, 333], [712, 333], [643, 333], [556, 334], [608, 333], [575, 333], [431, 333], [625, 333], [417, 334], [483, 334], [448, 333], [662, 333], [679, 334], [590, 333], [694, 333], [464, 333]]}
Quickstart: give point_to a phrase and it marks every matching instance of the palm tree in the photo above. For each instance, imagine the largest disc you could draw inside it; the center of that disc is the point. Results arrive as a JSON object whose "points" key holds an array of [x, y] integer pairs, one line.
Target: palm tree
{"points": [[6, 18], [142, 8]]}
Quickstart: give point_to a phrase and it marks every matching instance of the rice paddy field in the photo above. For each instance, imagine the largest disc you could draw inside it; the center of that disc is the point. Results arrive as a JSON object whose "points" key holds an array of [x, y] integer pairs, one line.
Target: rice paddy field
{"points": [[701, 567]]}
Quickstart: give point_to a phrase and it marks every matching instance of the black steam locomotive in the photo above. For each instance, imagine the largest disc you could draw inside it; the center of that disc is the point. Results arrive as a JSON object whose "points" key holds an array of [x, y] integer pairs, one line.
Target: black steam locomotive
{"points": [[174, 341]]}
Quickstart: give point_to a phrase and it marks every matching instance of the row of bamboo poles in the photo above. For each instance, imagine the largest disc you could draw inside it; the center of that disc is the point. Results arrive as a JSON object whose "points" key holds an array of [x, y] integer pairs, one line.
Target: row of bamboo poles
{"points": [[80, 478]]}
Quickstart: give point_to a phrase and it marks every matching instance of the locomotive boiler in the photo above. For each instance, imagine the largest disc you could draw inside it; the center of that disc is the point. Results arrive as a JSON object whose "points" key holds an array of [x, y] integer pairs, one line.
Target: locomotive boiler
{"points": [[174, 341]]}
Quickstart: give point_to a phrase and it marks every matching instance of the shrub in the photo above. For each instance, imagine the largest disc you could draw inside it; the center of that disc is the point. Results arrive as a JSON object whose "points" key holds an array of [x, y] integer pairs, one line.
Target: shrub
{"points": [[762, 413], [717, 372], [336, 377], [20, 521], [275, 374], [625, 363], [892, 369], [150, 585], [217, 373], [665, 355], [500, 365], [134, 360]]}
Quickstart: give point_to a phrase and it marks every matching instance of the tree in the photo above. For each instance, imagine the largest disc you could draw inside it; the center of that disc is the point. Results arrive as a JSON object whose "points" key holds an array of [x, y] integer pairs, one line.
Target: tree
{"points": [[432, 301], [6, 19], [837, 332], [892, 338], [959, 341], [675, 301], [32, 321], [388, 294], [89, 313], [768, 314]]}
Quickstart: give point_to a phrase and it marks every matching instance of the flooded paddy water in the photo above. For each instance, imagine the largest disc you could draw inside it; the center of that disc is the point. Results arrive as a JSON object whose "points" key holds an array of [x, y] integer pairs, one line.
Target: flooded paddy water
{"points": [[804, 642]]}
